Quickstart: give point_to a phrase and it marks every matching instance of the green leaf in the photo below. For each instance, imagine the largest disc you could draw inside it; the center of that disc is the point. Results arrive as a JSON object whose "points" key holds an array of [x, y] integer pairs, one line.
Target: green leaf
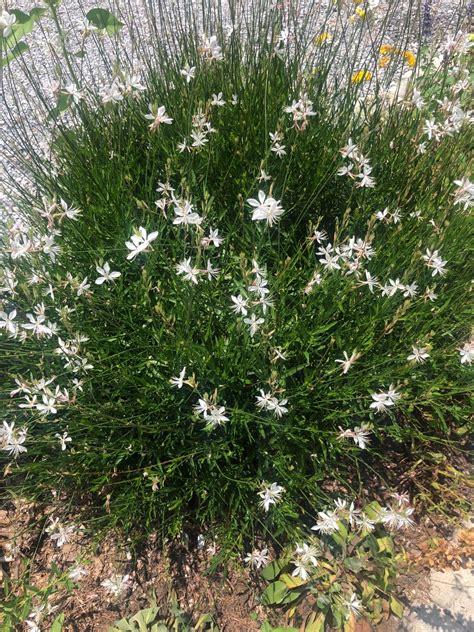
{"points": [[385, 544], [373, 510], [57, 624], [292, 595], [273, 570], [15, 52], [274, 593], [396, 607], [145, 616], [104, 21], [292, 582]]}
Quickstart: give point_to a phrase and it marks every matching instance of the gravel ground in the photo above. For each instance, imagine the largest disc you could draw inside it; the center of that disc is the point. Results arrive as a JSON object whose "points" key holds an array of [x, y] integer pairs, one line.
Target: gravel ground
{"points": [[17, 109]]}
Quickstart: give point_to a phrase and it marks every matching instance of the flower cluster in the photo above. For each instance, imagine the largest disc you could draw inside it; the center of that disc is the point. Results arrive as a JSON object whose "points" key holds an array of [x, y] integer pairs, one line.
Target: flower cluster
{"points": [[357, 167]]}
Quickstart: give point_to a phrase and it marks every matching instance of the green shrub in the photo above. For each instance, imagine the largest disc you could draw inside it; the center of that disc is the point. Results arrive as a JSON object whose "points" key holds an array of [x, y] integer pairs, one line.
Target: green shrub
{"points": [[144, 396]]}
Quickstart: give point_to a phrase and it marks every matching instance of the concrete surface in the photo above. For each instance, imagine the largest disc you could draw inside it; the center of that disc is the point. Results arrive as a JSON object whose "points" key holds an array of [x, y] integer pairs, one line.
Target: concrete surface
{"points": [[450, 607]]}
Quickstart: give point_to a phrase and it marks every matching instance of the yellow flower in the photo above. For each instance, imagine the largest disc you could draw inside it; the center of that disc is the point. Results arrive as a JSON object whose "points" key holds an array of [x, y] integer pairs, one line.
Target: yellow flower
{"points": [[384, 61], [323, 37], [360, 12], [361, 75], [386, 49], [410, 57]]}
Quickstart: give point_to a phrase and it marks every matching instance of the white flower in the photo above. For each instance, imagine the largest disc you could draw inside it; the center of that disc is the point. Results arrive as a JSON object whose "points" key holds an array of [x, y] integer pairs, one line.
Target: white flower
{"points": [[158, 116], [63, 534], [215, 416], [83, 287], [301, 569], [347, 362], [64, 439], [354, 605], [7, 20], [210, 49], [411, 290], [69, 212], [106, 274], [259, 286], [263, 177], [213, 238], [6, 322], [184, 213], [277, 406], [13, 439], [199, 138], [263, 400], [305, 559], [270, 495], [397, 519], [77, 573], [360, 436], [112, 93], [465, 193], [301, 110], [434, 261], [383, 400], [467, 352], [370, 281], [131, 83], [419, 354], [211, 272], [179, 381], [116, 584], [257, 558], [202, 407], [417, 99], [350, 150], [189, 72], [185, 268], [346, 170], [240, 304], [73, 91], [327, 522], [430, 128], [254, 323], [278, 149], [139, 242], [266, 208], [217, 100], [48, 407], [365, 179]]}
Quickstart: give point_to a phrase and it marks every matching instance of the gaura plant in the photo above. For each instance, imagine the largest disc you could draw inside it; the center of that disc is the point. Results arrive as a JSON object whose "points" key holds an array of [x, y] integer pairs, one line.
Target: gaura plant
{"points": [[231, 272]]}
